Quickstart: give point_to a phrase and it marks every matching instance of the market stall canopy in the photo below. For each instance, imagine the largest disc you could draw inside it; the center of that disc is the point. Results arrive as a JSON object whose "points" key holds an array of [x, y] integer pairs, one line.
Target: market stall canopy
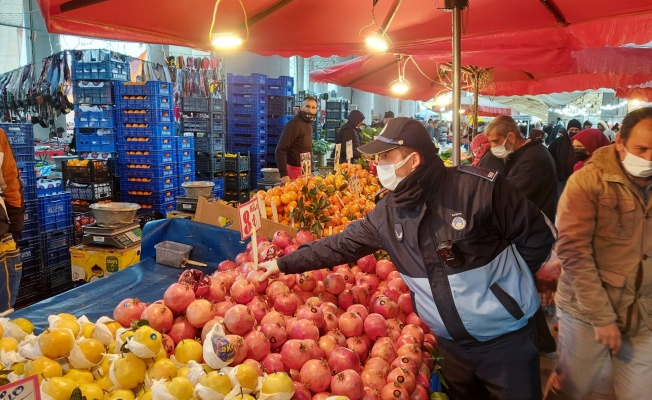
{"points": [[338, 27], [486, 107]]}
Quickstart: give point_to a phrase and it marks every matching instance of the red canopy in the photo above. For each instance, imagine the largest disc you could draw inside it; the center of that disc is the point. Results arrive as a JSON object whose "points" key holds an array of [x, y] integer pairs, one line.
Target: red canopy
{"points": [[333, 27]]}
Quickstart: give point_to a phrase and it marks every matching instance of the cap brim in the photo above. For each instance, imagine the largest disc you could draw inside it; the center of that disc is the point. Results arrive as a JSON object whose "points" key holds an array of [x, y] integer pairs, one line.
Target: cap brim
{"points": [[376, 147]]}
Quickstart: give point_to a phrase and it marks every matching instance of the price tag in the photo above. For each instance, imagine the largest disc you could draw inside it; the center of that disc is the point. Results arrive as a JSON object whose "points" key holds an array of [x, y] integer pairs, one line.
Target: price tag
{"points": [[186, 206], [98, 239], [338, 152], [24, 389], [250, 219], [349, 151], [261, 206], [274, 213], [306, 164]]}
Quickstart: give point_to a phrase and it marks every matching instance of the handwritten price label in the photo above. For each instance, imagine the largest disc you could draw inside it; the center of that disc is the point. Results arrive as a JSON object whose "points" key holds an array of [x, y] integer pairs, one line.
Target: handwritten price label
{"points": [[24, 389], [250, 219]]}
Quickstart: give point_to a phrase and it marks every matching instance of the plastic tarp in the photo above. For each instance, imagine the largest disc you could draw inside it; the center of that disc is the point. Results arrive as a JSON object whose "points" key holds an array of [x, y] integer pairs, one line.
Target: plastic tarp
{"points": [[338, 27], [145, 280], [486, 107]]}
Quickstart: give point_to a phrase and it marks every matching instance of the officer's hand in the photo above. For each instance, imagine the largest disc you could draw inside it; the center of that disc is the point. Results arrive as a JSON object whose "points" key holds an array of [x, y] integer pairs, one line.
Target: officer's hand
{"points": [[285, 180], [271, 268], [609, 336]]}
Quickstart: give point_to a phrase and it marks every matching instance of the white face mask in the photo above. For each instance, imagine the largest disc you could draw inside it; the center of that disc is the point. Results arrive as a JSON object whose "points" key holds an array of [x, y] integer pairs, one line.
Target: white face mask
{"points": [[637, 166], [387, 174], [501, 151]]}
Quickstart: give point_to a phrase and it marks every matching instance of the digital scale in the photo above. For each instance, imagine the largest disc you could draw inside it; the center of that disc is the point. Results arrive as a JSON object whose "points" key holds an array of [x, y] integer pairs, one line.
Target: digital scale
{"points": [[189, 204], [121, 236]]}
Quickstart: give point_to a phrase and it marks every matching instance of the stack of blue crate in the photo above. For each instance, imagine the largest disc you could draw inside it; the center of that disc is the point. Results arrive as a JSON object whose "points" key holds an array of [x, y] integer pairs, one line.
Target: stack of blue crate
{"points": [[185, 147], [21, 139], [93, 84], [247, 121], [280, 109], [147, 148]]}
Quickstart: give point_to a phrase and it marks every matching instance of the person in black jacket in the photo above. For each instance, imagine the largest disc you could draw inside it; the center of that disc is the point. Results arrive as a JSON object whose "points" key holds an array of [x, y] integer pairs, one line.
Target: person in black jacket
{"points": [[295, 140], [350, 131], [467, 244], [561, 150]]}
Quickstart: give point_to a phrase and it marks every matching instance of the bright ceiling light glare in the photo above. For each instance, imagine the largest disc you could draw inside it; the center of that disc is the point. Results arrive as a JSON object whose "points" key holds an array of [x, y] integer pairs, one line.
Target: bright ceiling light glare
{"points": [[377, 42], [226, 40], [400, 87], [442, 109]]}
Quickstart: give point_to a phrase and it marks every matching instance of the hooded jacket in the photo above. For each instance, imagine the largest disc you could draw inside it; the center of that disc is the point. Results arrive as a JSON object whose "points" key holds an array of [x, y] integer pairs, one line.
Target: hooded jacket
{"points": [[591, 139], [500, 240], [349, 131], [561, 150], [605, 239]]}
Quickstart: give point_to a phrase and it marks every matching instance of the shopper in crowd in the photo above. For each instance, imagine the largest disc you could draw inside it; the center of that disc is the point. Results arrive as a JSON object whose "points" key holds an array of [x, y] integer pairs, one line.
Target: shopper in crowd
{"points": [[585, 144], [616, 128], [350, 131], [523, 161], [555, 133], [608, 133], [561, 150], [296, 139], [443, 131], [11, 224], [433, 129], [587, 124], [538, 134], [605, 288], [479, 146], [389, 115], [467, 244]]}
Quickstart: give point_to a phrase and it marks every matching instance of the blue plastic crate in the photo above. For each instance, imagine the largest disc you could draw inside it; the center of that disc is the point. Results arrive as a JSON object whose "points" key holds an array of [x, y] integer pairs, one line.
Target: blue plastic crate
{"points": [[90, 191], [97, 116], [95, 140], [55, 257], [279, 121], [54, 211], [28, 175], [195, 104], [57, 278], [31, 211], [247, 140], [48, 186], [100, 70], [209, 145], [19, 134], [144, 117], [149, 88], [280, 81], [238, 164], [185, 168], [31, 267], [153, 157], [248, 120], [239, 99], [217, 105], [185, 142], [29, 250], [195, 124], [274, 130], [87, 92], [154, 130], [57, 239], [154, 198], [146, 144], [30, 229], [255, 79], [254, 130], [128, 184], [184, 156], [185, 178], [248, 110], [128, 102], [217, 126], [260, 90], [279, 90], [150, 171], [23, 153]]}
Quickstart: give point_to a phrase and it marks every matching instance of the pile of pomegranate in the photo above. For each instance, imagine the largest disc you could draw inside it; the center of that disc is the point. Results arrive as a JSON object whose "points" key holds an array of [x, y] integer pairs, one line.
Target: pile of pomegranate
{"points": [[351, 331]]}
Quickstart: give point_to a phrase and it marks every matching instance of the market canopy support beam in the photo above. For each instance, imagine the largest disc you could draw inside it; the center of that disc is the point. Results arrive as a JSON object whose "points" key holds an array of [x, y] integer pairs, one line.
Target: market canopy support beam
{"points": [[74, 5], [555, 11], [266, 12]]}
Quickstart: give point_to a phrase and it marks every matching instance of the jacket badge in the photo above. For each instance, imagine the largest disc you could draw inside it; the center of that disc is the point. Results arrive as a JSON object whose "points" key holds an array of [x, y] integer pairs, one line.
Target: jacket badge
{"points": [[458, 222], [398, 229]]}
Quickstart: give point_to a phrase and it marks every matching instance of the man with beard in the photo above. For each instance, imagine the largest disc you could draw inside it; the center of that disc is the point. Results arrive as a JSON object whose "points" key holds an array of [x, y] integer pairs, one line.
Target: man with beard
{"points": [[295, 140], [561, 150]]}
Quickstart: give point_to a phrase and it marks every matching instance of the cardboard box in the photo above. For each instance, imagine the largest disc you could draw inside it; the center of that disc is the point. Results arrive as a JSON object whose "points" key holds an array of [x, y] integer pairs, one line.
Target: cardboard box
{"points": [[89, 263], [226, 216]]}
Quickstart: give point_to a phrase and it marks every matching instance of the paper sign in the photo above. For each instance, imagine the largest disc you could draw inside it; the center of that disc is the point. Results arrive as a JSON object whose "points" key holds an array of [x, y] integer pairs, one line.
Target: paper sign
{"points": [[250, 219], [306, 164], [261, 207], [349, 150], [338, 152], [24, 389]]}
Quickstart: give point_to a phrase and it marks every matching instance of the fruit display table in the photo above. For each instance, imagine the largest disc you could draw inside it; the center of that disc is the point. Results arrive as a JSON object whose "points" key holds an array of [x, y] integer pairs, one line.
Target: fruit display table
{"points": [[145, 280]]}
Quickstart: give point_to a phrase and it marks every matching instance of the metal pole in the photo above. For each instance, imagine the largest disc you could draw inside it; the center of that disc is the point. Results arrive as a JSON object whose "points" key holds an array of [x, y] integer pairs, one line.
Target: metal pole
{"points": [[457, 81], [476, 77]]}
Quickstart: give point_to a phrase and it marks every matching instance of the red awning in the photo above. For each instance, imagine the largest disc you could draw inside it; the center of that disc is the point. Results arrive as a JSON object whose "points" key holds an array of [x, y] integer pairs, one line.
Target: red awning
{"points": [[333, 27]]}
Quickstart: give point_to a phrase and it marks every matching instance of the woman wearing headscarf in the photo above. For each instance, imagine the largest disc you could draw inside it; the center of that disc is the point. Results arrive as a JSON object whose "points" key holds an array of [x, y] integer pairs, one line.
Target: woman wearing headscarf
{"points": [[479, 146], [585, 144]]}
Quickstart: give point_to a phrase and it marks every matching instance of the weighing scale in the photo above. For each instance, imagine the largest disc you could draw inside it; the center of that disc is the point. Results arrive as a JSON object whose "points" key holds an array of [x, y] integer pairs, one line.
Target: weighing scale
{"points": [[121, 236], [189, 204]]}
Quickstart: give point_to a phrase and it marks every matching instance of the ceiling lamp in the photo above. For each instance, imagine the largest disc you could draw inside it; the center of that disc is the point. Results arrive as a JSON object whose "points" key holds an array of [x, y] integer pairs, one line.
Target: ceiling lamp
{"points": [[225, 40], [377, 42], [400, 86]]}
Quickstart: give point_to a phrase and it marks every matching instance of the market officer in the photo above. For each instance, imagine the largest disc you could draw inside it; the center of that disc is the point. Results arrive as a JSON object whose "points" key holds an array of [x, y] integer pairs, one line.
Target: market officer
{"points": [[467, 243], [296, 139]]}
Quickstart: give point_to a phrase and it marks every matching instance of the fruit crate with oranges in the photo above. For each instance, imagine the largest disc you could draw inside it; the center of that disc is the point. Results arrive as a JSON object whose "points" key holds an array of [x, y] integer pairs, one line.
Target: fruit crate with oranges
{"points": [[148, 170], [146, 144], [236, 162], [148, 203], [148, 88], [144, 117], [148, 157], [131, 102], [146, 131], [86, 171], [129, 184], [236, 181]]}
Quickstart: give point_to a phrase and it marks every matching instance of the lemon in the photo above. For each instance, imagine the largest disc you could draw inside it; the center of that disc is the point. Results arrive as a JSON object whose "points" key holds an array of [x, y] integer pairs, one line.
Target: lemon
{"points": [[43, 367], [113, 327], [129, 371], [149, 337], [187, 350], [79, 376], [163, 369], [58, 388], [92, 350], [161, 355], [18, 368], [217, 381], [247, 376], [124, 336], [24, 324], [183, 372], [105, 383], [277, 382], [92, 391], [8, 344], [104, 366], [56, 343], [111, 348], [122, 394], [243, 397], [180, 388], [145, 394], [87, 330], [68, 324]]}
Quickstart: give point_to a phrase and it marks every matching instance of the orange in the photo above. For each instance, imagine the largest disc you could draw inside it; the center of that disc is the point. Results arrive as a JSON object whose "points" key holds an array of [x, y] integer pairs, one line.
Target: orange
{"points": [[286, 198]]}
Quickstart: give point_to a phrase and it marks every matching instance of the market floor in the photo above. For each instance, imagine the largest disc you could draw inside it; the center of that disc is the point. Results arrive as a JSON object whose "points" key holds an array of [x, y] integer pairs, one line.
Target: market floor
{"points": [[603, 389]]}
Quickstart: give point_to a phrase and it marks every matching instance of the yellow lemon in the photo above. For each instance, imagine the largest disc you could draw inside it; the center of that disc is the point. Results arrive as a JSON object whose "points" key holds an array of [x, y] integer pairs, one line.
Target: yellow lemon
{"points": [[67, 316], [24, 324], [243, 397], [79, 376], [18, 368], [92, 350], [87, 329], [43, 367], [247, 376], [113, 327], [163, 369], [217, 381], [8, 344], [180, 388], [58, 388], [183, 372], [129, 371], [68, 324], [149, 337], [122, 394], [105, 383], [277, 382], [92, 391], [56, 343], [145, 394], [187, 350]]}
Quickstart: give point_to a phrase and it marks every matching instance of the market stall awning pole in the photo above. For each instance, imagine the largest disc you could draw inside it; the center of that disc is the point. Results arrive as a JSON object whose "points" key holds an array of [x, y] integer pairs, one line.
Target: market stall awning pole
{"points": [[457, 6]]}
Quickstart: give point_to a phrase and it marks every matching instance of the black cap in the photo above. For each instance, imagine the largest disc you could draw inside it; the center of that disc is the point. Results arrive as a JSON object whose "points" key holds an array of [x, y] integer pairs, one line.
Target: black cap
{"points": [[401, 132], [573, 123], [388, 114]]}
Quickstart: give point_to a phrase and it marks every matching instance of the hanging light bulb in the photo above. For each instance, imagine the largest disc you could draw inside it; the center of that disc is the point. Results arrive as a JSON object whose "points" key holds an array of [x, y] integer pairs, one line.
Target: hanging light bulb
{"points": [[225, 40], [377, 42], [400, 86]]}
